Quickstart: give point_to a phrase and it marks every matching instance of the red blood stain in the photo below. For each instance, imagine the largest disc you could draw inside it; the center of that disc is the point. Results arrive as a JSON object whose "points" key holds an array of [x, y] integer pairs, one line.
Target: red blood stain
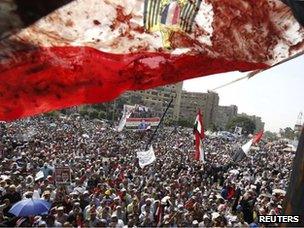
{"points": [[96, 22], [244, 29], [69, 23], [121, 17], [53, 78]]}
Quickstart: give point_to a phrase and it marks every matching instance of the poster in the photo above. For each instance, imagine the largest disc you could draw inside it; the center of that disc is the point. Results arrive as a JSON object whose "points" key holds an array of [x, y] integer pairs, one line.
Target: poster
{"points": [[62, 175]]}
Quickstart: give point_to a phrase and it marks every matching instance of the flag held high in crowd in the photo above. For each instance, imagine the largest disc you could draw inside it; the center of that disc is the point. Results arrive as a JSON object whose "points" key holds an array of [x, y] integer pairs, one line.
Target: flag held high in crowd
{"points": [[243, 151], [199, 135]]}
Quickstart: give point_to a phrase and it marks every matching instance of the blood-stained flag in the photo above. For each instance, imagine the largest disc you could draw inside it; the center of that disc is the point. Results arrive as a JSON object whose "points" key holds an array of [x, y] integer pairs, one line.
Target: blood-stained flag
{"points": [[91, 51]]}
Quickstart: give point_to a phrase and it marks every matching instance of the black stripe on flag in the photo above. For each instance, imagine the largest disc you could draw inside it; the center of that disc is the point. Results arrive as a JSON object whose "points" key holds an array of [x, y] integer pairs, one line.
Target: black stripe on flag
{"points": [[297, 7], [185, 12], [33, 10], [28, 11], [238, 156], [146, 14], [196, 9]]}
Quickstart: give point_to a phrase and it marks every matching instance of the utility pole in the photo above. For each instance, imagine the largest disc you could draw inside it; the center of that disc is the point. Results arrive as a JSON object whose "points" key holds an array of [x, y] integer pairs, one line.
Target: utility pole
{"points": [[160, 122]]}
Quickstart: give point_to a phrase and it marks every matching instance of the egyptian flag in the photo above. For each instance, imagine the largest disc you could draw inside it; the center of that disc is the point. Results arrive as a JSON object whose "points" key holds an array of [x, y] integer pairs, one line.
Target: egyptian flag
{"points": [[243, 151], [199, 135], [61, 53], [159, 214]]}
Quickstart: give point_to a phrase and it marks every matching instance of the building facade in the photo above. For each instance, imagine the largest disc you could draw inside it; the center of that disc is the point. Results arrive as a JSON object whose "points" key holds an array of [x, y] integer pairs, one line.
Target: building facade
{"points": [[223, 115], [158, 99], [185, 105], [192, 101]]}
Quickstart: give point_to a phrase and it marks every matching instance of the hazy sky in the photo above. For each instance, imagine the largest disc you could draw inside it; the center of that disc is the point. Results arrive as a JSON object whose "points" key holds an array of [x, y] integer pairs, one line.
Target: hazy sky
{"points": [[276, 95]]}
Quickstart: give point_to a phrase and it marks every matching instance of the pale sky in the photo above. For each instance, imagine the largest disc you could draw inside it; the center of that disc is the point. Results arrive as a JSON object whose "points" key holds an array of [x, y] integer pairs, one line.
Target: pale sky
{"points": [[276, 95]]}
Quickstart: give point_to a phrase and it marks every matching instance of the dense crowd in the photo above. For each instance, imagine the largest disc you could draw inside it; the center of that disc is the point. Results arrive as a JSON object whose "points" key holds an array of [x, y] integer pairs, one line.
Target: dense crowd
{"points": [[108, 188]]}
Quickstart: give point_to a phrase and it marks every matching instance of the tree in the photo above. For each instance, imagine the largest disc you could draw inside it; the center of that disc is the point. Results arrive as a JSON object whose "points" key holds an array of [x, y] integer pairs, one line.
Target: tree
{"points": [[185, 123], [168, 121], [241, 121], [288, 133], [120, 102], [212, 127], [136, 99], [270, 135], [94, 114], [83, 112], [52, 114]]}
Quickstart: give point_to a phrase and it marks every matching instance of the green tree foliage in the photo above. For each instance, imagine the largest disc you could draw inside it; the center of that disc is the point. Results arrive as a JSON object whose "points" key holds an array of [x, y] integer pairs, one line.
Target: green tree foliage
{"points": [[270, 136], [83, 112], [120, 102], [52, 114], [94, 114], [185, 123], [241, 121], [288, 133], [168, 121], [212, 127]]}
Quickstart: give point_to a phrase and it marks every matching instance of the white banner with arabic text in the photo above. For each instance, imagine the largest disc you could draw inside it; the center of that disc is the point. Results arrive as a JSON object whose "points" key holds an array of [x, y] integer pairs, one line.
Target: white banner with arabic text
{"points": [[146, 157]]}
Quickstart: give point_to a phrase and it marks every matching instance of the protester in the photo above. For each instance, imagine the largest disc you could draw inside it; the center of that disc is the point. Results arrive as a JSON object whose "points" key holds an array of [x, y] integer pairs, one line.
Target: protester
{"points": [[106, 186]]}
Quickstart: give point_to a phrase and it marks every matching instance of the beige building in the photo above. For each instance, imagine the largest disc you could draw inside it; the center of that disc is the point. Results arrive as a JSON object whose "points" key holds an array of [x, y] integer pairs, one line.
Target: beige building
{"points": [[223, 115], [192, 101], [186, 104], [158, 99]]}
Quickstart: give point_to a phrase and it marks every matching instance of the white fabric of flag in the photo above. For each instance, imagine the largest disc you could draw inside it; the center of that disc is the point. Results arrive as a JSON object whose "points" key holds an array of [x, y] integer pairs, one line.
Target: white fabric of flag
{"points": [[246, 147], [199, 136], [202, 154], [198, 125], [146, 157]]}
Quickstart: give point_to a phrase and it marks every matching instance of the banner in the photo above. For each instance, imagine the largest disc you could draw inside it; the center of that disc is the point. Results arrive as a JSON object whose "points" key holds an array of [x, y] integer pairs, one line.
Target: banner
{"points": [[143, 126], [62, 175], [238, 130], [39, 176], [146, 157], [127, 111]]}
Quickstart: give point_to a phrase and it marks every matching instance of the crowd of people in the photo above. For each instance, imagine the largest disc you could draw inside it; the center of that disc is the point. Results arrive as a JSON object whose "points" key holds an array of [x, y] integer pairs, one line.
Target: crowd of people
{"points": [[107, 188]]}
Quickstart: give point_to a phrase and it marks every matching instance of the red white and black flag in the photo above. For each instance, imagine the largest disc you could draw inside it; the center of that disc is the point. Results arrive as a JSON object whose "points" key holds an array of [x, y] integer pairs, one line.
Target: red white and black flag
{"points": [[199, 135], [57, 54], [243, 151]]}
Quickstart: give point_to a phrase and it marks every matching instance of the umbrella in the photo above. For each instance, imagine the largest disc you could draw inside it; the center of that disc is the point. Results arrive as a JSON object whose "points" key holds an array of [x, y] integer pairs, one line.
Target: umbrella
{"points": [[30, 207]]}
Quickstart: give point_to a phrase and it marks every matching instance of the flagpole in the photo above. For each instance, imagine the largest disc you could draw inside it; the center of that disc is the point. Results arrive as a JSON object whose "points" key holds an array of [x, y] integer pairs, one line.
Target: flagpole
{"points": [[294, 198], [254, 73], [161, 120]]}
